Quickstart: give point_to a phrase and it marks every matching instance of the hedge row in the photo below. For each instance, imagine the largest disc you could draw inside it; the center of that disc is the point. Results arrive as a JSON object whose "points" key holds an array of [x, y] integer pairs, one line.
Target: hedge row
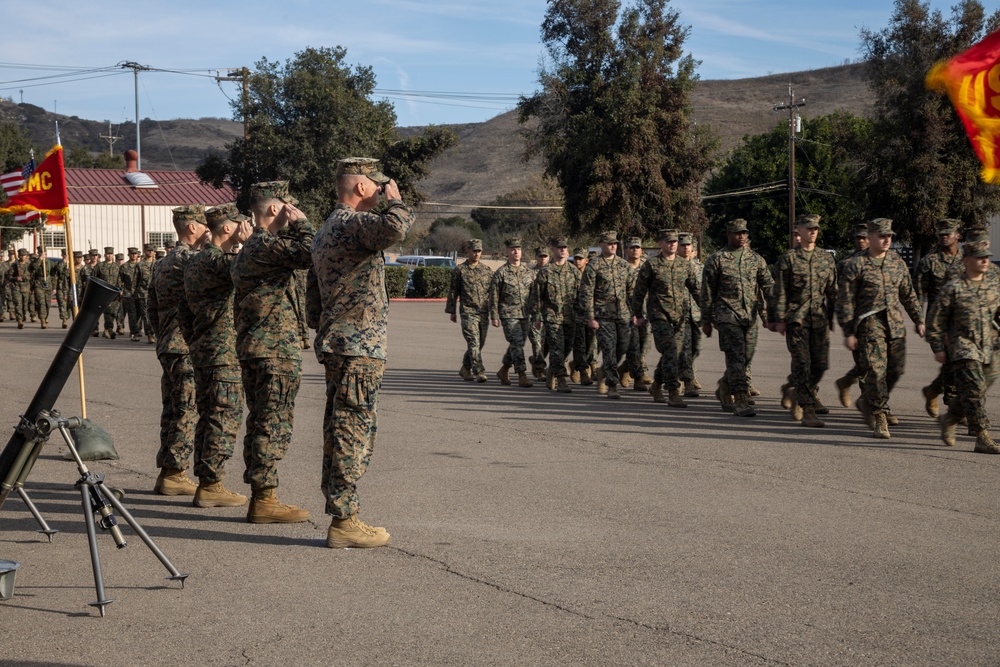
{"points": [[429, 282], [396, 278]]}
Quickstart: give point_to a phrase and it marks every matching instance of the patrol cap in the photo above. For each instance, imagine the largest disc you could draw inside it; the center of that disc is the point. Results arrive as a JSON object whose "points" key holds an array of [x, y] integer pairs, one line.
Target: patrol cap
{"points": [[474, 244], [634, 242], [146, 247], [109, 250], [363, 166], [609, 237], [861, 231], [977, 234], [77, 254], [737, 225], [513, 242], [684, 238], [667, 235], [541, 252], [948, 226], [591, 254], [220, 215], [579, 253], [192, 213], [133, 251], [93, 252], [559, 242], [272, 190], [169, 245], [120, 255], [160, 254], [808, 220], [881, 226], [22, 252], [977, 249]]}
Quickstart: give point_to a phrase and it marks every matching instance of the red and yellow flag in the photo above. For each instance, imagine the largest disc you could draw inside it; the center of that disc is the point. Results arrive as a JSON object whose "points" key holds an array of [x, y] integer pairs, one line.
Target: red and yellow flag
{"points": [[44, 190]]}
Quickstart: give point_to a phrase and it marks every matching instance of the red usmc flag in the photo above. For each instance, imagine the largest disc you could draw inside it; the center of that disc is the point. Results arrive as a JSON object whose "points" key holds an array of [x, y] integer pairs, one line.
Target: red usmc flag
{"points": [[44, 190]]}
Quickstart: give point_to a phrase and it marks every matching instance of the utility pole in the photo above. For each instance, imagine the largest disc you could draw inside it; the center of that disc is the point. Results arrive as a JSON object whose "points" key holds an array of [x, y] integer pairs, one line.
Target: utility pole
{"points": [[111, 140], [136, 67], [241, 74], [794, 124]]}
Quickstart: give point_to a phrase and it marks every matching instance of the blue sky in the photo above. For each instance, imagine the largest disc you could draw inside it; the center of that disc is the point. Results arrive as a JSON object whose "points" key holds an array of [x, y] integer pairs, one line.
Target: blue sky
{"points": [[484, 53]]}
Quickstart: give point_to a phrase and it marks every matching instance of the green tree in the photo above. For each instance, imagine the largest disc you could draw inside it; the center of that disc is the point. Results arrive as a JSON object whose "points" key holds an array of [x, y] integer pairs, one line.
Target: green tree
{"points": [[79, 157], [304, 115], [15, 151], [752, 183], [526, 213], [922, 167], [613, 116]]}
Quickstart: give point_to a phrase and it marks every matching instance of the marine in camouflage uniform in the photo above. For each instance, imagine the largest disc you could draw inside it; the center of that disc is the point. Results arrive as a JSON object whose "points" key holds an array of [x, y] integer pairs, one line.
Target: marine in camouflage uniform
{"points": [[20, 279], [733, 282], [120, 317], [508, 297], [584, 338], [206, 315], [143, 281], [961, 331], [179, 415], [108, 271], [665, 287], [301, 279], [553, 296], [4, 302], [804, 297], [129, 275], [640, 337], [605, 293], [470, 287], [872, 288], [268, 341], [60, 282], [41, 289], [536, 335], [854, 375], [350, 306], [686, 249]]}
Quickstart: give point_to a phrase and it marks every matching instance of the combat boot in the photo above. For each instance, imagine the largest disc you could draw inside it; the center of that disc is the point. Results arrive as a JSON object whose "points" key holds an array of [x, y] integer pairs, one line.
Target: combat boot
{"points": [[640, 384], [930, 400], [985, 444], [585, 377], [265, 508], [696, 384], [948, 422], [481, 376], [106, 333], [657, 391], [45, 323], [742, 407], [810, 419], [134, 338], [64, 325], [216, 495], [624, 376], [796, 409], [120, 331], [466, 373], [787, 395], [550, 380], [504, 375], [20, 324], [522, 379], [725, 397], [602, 386], [562, 386], [306, 344], [675, 400], [891, 419], [844, 390], [151, 339], [174, 482], [352, 533], [613, 391], [881, 428], [752, 391], [574, 376], [691, 391], [866, 412]]}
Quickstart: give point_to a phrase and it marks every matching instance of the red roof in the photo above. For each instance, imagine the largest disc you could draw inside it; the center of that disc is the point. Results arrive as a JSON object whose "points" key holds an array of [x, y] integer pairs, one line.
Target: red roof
{"points": [[175, 188]]}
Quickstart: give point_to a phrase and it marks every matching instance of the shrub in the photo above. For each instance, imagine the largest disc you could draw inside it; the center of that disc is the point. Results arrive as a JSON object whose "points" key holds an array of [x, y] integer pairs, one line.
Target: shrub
{"points": [[395, 281], [431, 282]]}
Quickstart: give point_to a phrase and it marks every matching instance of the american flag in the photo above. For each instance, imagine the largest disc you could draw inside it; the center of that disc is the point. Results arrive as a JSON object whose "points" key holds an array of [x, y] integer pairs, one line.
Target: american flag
{"points": [[12, 183]]}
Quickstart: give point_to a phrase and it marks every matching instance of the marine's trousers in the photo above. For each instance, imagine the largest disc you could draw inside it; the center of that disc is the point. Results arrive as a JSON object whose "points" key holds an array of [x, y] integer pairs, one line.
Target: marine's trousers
{"points": [[690, 350], [143, 315], [738, 342], [972, 380], [43, 299], [669, 341], [179, 414], [809, 346], [219, 391], [111, 315], [640, 340], [516, 332], [559, 341], [62, 302], [270, 387], [539, 344], [474, 329], [883, 360], [130, 311], [613, 338], [584, 345], [350, 424], [21, 296]]}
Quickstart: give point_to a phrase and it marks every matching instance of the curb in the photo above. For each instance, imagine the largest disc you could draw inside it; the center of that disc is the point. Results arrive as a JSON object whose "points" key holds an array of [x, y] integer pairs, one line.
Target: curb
{"points": [[404, 300]]}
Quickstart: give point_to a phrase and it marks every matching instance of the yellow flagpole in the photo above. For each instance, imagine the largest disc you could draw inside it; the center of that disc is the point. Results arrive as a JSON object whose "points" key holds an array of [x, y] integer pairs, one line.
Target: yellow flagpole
{"points": [[76, 307]]}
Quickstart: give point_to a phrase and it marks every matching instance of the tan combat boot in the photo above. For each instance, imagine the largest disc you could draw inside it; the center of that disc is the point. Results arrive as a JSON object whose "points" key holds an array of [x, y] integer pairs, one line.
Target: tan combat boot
{"points": [[45, 324], [352, 533], [752, 391], [602, 386], [930, 400], [64, 325], [574, 376], [866, 412], [696, 384], [818, 404], [562, 386], [265, 508], [106, 334], [657, 391], [675, 400], [891, 419], [742, 407], [640, 384], [174, 482], [881, 428], [624, 376], [466, 373], [810, 419], [20, 324], [613, 391], [481, 376], [795, 410], [550, 380], [690, 390], [985, 444], [216, 495], [585, 378], [134, 338], [522, 379], [787, 395], [723, 394], [948, 422], [151, 339], [504, 375], [844, 390]]}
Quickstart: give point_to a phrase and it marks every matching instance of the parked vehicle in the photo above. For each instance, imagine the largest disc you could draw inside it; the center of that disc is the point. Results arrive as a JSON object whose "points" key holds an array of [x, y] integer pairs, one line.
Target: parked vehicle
{"points": [[426, 260]]}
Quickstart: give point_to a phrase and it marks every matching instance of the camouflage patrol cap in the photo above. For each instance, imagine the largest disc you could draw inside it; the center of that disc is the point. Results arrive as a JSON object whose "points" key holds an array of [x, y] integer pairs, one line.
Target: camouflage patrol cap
{"points": [[808, 220], [977, 249], [668, 235], [541, 252], [948, 226], [22, 252], [133, 251], [861, 231], [192, 213], [220, 215], [633, 242], [362, 166], [559, 242], [109, 250], [684, 238], [160, 254], [474, 244], [579, 253], [737, 225], [609, 237], [77, 254], [120, 256], [592, 254], [513, 242], [977, 234], [169, 245], [881, 226], [94, 252], [147, 247], [273, 190]]}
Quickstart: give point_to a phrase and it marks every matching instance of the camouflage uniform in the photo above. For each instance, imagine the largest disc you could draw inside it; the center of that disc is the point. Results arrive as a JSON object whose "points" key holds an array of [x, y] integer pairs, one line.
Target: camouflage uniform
{"points": [[130, 277], [301, 279], [671, 286], [349, 305], [856, 372], [60, 281], [537, 338], [109, 273], [470, 285], [640, 337], [804, 296], [731, 288], [20, 278], [871, 291], [143, 281], [692, 330], [177, 389], [509, 288], [40, 288], [584, 338], [605, 293], [207, 318], [553, 296], [268, 343], [4, 271]]}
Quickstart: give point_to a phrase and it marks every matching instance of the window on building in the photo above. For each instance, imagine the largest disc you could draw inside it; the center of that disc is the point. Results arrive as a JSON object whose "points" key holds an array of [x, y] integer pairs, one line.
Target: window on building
{"points": [[159, 239], [54, 239]]}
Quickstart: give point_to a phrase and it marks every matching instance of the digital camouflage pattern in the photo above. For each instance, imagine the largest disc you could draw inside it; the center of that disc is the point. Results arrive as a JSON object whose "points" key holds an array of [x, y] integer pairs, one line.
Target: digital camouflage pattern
{"points": [[165, 294], [219, 401], [961, 320], [20, 277], [144, 280], [60, 280], [207, 310], [509, 289], [606, 289], [553, 296], [933, 272], [109, 273], [270, 386], [732, 285], [470, 288], [41, 288], [179, 414], [692, 330], [130, 276]]}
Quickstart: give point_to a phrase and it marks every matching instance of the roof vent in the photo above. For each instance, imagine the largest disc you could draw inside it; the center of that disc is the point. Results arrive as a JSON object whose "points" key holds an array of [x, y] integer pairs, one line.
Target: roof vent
{"points": [[140, 180]]}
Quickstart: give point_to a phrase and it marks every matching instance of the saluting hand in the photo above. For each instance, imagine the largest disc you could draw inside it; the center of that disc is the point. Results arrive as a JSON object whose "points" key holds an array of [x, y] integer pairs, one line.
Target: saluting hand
{"points": [[391, 190]]}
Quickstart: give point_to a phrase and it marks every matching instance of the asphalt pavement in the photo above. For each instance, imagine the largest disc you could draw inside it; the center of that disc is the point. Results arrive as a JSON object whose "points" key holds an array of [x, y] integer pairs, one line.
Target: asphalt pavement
{"points": [[528, 528]]}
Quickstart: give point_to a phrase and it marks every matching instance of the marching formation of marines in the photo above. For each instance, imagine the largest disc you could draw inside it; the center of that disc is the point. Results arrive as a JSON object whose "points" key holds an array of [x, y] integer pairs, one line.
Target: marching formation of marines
{"points": [[616, 303]]}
